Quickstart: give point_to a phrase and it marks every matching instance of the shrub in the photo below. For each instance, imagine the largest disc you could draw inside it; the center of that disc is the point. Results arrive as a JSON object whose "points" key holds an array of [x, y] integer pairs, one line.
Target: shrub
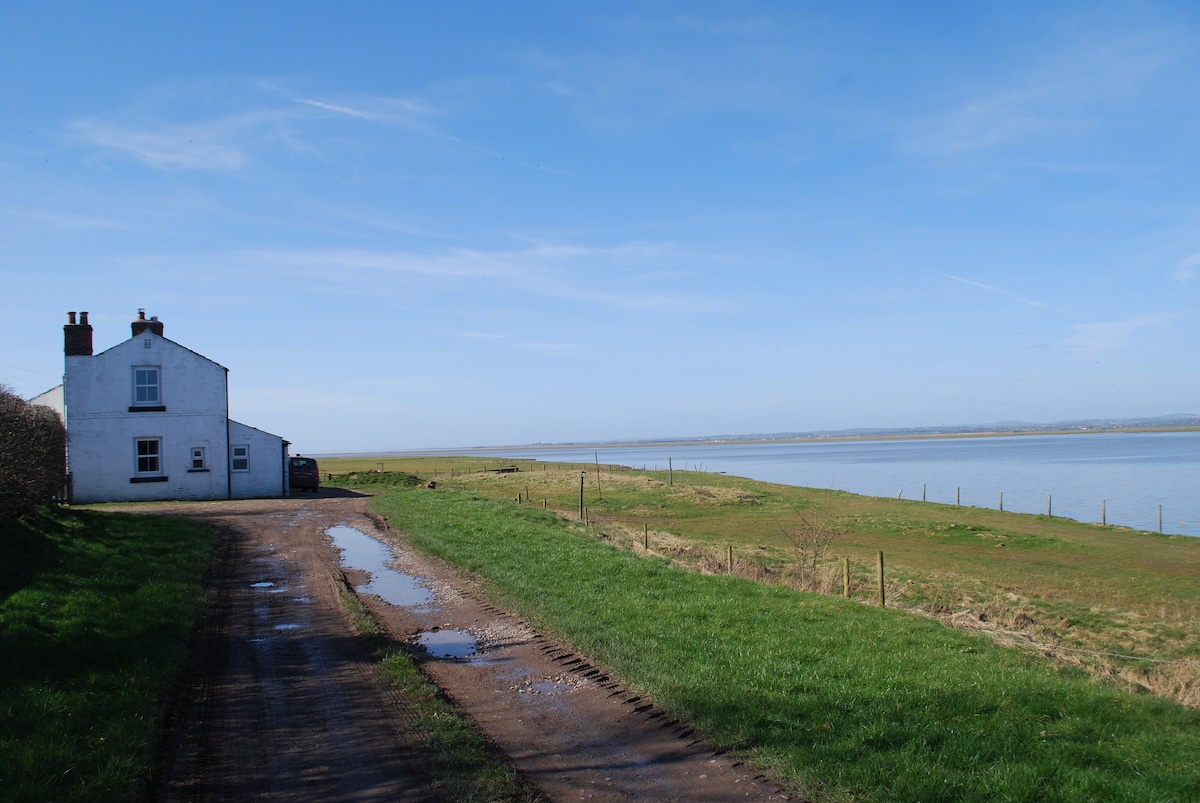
{"points": [[33, 455]]}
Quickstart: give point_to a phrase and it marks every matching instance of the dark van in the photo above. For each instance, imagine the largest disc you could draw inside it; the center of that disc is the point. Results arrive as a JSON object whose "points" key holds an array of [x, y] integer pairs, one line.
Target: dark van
{"points": [[303, 474]]}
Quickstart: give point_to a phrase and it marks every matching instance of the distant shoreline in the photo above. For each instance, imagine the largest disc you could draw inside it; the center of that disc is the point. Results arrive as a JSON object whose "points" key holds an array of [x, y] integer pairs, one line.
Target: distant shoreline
{"points": [[898, 436]]}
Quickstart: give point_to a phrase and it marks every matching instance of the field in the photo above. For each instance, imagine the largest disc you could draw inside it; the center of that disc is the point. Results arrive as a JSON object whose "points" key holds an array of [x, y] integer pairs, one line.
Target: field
{"points": [[1124, 605], [837, 699]]}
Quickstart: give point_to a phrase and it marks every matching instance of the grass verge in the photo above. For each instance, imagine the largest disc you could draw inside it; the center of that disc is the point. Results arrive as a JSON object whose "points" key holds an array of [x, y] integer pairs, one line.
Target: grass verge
{"points": [[465, 769], [1125, 605], [95, 614], [839, 700]]}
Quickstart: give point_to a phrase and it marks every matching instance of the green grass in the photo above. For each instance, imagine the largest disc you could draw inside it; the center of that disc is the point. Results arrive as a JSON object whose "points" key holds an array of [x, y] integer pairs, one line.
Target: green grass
{"points": [[95, 613], [840, 700], [1089, 594]]}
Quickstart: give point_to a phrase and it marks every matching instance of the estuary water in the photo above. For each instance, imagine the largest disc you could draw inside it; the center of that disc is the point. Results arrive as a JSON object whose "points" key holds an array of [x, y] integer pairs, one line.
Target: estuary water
{"points": [[1118, 477]]}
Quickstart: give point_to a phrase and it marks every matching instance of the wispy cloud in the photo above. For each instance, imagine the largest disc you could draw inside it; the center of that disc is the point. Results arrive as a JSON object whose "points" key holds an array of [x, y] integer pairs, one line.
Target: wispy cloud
{"points": [[716, 27], [998, 290], [65, 222], [390, 110], [199, 146], [1090, 339], [636, 276], [1186, 270], [1065, 93]]}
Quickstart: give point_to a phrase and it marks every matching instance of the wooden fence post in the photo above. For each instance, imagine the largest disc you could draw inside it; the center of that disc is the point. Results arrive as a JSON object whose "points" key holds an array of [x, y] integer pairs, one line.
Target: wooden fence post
{"points": [[581, 475], [882, 597], [846, 578], [730, 564]]}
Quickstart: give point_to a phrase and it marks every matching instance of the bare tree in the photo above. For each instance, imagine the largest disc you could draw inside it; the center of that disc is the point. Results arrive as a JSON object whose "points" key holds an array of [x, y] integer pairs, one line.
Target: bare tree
{"points": [[811, 537]]}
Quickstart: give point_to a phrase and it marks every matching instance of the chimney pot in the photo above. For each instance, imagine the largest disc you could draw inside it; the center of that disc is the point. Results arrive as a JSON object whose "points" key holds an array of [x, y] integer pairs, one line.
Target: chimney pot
{"points": [[140, 324], [77, 337]]}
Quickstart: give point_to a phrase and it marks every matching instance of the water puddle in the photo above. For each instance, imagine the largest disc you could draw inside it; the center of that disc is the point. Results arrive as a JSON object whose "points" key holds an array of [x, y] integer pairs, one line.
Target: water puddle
{"points": [[362, 552], [548, 687], [263, 584], [287, 626], [448, 643]]}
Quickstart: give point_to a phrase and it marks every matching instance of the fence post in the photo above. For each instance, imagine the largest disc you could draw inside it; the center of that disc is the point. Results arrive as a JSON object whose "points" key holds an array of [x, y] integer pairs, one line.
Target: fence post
{"points": [[882, 597], [599, 490], [846, 578], [1160, 519], [1049, 505], [1002, 501], [670, 473], [581, 474], [958, 496], [1104, 511], [646, 536], [730, 564]]}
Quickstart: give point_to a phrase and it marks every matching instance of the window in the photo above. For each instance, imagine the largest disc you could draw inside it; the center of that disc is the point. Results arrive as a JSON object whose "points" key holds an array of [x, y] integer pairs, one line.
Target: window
{"points": [[241, 458], [198, 459], [149, 460], [145, 386], [147, 389]]}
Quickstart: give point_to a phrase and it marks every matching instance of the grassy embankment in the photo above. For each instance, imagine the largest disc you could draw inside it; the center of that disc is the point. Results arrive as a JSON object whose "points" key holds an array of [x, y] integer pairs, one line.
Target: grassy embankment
{"points": [[840, 700], [1123, 604], [95, 614]]}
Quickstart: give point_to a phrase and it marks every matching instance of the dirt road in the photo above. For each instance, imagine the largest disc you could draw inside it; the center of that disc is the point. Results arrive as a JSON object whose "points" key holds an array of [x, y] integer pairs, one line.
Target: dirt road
{"points": [[282, 703]]}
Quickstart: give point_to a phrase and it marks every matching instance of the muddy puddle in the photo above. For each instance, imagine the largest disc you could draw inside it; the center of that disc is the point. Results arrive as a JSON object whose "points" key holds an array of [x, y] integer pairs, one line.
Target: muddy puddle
{"points": [[361, 551], [449, 643]]}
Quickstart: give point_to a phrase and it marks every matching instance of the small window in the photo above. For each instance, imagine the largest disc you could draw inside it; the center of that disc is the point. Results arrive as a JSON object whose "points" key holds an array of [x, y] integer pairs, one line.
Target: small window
{"points": [[241, 458], [198, 458], [149, 460], [147, 389]]}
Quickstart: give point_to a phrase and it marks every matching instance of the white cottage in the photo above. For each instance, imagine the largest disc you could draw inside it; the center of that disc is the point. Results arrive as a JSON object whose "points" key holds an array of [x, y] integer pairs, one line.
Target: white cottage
{"points": [[149, 419]]}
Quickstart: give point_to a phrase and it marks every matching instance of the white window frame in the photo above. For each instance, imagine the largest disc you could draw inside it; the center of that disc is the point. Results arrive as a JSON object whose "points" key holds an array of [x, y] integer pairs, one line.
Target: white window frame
{"points": [[243, 457], [197, 461], [139, 385], [148, 463]]}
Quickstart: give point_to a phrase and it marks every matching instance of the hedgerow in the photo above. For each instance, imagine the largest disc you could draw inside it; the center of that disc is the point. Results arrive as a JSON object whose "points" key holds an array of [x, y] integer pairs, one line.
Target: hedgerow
{"points": [[33, 444]]}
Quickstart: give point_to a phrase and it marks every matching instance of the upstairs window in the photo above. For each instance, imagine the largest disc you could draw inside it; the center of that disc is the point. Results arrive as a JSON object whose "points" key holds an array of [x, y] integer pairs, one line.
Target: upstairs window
{"points": [[147, 386], [240, 458]]}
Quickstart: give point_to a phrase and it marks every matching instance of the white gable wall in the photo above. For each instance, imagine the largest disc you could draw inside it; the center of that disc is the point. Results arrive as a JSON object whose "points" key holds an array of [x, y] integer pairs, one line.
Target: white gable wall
{"points": [[104, 423], [53, 398]]}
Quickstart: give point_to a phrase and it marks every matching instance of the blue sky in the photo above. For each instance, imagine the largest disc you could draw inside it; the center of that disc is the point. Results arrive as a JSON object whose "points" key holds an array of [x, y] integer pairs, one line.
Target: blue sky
{"points": [[412, 225]]}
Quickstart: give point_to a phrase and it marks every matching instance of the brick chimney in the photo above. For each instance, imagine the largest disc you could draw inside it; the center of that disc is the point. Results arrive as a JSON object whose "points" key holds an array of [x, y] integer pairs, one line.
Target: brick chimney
{"points": [[77, 337], [140, 324]]}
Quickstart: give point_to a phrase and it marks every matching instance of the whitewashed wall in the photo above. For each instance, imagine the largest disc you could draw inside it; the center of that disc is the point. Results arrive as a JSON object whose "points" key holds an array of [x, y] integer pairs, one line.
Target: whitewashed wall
{"points": [[102, 432], [267, 459]]}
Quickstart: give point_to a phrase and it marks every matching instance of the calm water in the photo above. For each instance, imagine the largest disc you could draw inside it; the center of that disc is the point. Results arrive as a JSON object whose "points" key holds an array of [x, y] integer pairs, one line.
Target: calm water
{"points": [[1126, 475]]}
